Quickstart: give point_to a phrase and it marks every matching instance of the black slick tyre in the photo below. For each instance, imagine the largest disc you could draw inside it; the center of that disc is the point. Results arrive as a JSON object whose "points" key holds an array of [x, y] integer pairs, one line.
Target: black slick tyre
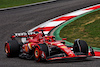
{"points": [[12, 48], [81, 47]]}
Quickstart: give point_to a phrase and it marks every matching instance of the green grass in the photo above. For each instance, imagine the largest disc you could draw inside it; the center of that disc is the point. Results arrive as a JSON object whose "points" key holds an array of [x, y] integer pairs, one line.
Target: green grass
{"points": [[85, 28], [12, 3]]}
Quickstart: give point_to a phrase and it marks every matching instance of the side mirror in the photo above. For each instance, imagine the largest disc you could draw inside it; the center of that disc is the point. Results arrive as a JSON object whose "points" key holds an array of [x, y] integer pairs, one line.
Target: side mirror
{"points": [[64, 38]]}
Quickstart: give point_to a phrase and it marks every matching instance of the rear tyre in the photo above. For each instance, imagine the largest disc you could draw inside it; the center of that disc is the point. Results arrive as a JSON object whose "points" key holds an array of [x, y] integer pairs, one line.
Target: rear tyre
{"points": [[81, 47], [12, 48]]}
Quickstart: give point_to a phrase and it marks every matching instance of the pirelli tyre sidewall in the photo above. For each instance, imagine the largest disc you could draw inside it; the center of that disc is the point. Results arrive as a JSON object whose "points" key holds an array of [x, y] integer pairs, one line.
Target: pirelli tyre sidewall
{"points": [[12, 48]]}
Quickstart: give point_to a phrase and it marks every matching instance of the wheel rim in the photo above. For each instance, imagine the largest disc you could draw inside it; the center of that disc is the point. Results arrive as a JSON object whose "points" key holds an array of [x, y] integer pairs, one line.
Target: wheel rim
{"points": [[7, 49], [36, 52]]}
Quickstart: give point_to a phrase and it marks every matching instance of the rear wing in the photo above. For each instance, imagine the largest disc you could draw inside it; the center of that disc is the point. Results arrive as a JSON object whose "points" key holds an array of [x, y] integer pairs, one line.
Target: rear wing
{"points": [[23, 34]]}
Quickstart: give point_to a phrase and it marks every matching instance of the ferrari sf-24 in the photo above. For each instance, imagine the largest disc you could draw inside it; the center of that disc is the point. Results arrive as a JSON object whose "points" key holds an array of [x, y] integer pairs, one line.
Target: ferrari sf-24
{"points": [[40, 47]]}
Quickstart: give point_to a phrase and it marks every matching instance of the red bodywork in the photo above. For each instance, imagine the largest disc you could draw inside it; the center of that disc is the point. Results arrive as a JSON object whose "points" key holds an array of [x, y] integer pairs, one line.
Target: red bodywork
{"points": [[33, 40]]}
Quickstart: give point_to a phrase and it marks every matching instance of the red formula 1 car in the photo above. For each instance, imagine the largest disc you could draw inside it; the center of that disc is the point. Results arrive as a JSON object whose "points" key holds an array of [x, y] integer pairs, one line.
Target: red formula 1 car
{"points": [[45, 48]]}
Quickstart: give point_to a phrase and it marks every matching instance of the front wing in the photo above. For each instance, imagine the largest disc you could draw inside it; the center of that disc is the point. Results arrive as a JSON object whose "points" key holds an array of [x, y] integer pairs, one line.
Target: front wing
{"points": [[97, 55]]}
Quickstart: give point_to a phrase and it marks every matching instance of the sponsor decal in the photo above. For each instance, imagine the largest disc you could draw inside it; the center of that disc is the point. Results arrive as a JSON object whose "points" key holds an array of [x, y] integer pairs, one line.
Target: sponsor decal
{"points": [[24, 33], [63, 46]]}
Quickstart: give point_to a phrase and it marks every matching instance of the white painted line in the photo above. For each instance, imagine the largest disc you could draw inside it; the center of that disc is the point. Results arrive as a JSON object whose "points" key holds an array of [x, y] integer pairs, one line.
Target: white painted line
{"points": [[28, 5]]}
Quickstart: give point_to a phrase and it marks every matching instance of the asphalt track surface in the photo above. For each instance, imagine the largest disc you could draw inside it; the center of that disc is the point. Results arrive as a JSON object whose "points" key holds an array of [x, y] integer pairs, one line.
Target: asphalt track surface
{"points": [[23, 19]]}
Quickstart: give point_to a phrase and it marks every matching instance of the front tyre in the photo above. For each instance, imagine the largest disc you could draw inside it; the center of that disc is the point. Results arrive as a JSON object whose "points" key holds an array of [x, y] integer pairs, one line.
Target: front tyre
{"points": [[80, 46]]}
